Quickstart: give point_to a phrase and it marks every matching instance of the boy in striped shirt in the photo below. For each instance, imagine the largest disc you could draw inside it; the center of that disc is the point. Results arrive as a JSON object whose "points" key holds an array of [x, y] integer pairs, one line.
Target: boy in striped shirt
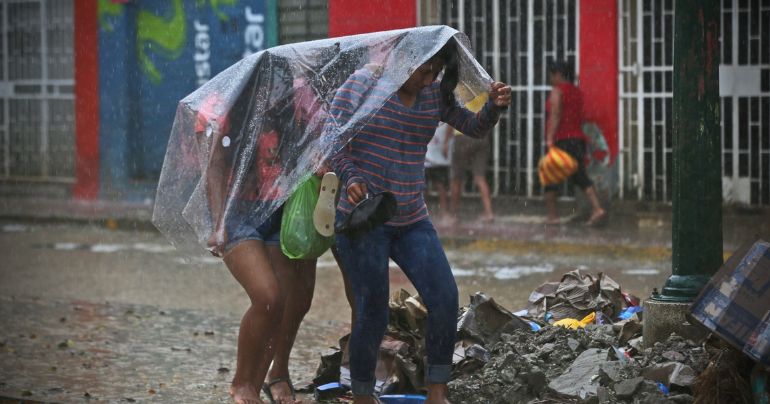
{"points": [[387, 154]]}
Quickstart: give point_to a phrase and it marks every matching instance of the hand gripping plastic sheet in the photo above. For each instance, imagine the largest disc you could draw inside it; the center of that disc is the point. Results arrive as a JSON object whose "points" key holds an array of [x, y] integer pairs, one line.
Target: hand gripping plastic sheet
{"points": [[242, 142]]}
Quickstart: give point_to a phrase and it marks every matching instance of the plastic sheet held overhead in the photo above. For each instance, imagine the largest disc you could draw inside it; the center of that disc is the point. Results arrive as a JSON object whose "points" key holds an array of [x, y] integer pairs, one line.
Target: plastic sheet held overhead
{"points": [[242, 142]]}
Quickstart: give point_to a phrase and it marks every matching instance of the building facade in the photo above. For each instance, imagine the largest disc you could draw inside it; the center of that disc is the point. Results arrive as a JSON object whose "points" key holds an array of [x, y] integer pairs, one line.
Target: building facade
{"points": [[623, 54], [88, 88]]}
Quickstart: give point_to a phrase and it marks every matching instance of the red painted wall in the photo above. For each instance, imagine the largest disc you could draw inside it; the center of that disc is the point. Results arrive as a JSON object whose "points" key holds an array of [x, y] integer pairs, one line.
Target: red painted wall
{"points": [[86, 100], [599, 66], [349, 17]]}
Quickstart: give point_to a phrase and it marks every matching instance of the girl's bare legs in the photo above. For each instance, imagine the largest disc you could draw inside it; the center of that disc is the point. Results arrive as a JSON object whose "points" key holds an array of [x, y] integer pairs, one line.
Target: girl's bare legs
{"points": [[250, 265], [597, 212], [454, 199], [486, 196], [486, 199], [550, 204], [443, 201], [299, 278]]}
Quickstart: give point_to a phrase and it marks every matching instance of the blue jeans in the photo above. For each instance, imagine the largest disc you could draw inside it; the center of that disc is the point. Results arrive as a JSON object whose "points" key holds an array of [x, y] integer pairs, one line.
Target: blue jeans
{"points": [[417, 251]]}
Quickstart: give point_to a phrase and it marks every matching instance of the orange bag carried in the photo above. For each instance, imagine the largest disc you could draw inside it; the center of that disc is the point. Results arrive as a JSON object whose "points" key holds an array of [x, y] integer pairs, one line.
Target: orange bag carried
{"points": [[556, 166]]}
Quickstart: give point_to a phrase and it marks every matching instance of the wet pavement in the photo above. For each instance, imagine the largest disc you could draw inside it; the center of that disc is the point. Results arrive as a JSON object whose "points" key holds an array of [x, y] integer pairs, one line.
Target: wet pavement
{"points": [[64, 351], [107, 313]]}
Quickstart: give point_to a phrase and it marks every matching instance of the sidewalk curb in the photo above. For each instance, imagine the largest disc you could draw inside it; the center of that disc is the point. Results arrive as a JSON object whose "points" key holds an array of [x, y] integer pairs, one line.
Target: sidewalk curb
{"points": [[477, 242], [519, 247], [136, 216]]}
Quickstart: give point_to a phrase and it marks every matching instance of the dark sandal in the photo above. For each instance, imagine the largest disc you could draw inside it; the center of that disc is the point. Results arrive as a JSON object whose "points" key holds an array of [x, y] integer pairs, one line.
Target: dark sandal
{"points": [[266, 388]]}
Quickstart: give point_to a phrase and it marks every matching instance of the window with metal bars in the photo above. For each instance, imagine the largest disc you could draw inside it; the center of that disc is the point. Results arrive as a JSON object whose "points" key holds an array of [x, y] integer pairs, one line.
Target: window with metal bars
{"points": [[37, 123], [646, 65], [529, 34], [302, 20]]}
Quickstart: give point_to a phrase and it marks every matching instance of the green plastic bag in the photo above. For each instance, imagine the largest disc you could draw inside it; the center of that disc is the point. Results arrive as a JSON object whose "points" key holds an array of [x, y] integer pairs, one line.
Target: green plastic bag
{"points": [[299, 238]]}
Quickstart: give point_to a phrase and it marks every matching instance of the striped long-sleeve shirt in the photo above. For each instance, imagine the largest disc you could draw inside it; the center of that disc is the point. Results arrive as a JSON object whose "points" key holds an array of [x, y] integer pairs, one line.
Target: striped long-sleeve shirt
{"points": [[388, 152]]}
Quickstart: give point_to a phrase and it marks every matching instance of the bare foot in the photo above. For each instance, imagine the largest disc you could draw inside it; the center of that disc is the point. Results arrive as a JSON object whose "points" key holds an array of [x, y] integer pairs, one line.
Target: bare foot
{"points": [[553, 220], [440, 219], [452, 220], [281, 392], [487, 218], [245, 394], [597, 217]]}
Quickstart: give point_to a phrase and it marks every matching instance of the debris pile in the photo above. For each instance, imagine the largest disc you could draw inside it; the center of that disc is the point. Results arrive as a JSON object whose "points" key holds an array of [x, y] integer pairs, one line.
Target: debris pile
{"points": [[561, 364], [580, 340]]}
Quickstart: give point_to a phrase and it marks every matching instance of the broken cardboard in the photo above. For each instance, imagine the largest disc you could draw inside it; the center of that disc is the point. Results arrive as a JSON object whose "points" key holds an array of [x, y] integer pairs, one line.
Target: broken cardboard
{"points": [[735, 304]]}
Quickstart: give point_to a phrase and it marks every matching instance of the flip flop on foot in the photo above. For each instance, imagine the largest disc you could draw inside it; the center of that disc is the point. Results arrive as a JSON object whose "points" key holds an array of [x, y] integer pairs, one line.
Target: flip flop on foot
{"points": [[323, 214], [266, 388]]}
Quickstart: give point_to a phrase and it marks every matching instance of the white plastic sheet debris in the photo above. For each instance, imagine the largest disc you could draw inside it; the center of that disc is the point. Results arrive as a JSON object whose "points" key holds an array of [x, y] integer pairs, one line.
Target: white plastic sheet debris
{"points": [[243, 141]]}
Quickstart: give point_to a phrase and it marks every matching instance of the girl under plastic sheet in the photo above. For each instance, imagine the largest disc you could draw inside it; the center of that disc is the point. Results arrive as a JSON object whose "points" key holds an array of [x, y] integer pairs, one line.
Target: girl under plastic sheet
{"points": [[251, 248], [226, 181], [182, 211], [388, 155]]}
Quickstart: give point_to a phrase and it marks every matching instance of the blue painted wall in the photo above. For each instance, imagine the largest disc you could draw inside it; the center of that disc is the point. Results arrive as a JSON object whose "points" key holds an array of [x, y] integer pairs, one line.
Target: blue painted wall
{"points": [[151, 55]]}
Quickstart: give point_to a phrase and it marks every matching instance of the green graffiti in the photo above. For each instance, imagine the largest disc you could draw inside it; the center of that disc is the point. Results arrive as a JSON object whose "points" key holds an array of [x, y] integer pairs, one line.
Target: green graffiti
{"points": [[215, 7], [163, 36], [107, 8]]}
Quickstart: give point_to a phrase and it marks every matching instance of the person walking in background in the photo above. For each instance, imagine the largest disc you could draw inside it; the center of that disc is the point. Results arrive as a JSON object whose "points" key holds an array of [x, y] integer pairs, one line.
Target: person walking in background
{"points": [[437, 161], [564, 109], [471, 155]]}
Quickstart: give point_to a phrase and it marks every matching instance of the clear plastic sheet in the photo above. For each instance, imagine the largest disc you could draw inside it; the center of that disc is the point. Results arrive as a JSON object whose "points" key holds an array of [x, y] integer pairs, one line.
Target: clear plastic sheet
{"points": [[242, 142]]}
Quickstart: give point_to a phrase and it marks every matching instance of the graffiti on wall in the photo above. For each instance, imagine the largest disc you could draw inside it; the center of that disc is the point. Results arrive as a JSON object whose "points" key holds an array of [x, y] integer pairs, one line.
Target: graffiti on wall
{"points": [[163, 33], [152, 53]]}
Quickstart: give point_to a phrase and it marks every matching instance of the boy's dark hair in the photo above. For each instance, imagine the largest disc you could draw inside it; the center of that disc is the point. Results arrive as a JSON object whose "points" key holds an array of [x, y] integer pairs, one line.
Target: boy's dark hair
{"points": [[448, 56], [563, 68]]}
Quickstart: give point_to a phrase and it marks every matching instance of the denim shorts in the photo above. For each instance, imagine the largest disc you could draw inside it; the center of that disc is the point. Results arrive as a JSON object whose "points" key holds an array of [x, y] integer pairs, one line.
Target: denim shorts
{"points": [[242, 225]]}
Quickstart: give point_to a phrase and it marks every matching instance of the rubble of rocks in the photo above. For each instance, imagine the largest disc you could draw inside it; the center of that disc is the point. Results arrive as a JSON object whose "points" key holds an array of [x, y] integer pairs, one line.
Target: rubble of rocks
{"points": [[528, 357], [560, 364]]}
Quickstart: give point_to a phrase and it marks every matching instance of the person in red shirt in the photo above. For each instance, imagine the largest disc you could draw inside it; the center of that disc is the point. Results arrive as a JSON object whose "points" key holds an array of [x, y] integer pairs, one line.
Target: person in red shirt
{"points": [[563, 129]]}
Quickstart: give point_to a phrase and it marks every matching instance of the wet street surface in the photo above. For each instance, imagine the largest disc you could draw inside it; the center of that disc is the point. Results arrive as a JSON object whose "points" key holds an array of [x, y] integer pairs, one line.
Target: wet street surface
{"points": [[67, 351], [87, 312]]}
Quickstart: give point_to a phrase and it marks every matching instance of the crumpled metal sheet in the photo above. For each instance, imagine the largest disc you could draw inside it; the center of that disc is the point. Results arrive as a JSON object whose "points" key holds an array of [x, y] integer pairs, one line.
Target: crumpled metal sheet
{"points": [[581, 380], [671, 373], [576, 295], [485, 320], [242, 142]]}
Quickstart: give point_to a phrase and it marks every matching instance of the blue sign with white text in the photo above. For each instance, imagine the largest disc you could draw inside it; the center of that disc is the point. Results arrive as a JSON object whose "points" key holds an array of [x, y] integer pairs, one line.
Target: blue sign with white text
{"points": [[152, 54]]}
